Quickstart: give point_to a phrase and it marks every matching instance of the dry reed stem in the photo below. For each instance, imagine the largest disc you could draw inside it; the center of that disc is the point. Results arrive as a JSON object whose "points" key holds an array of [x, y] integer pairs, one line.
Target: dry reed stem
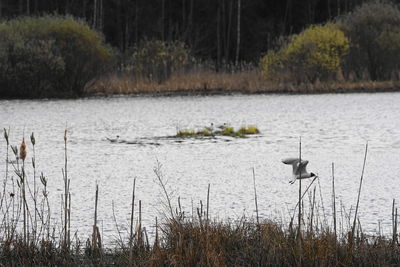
{"points": [[359, 192], [299, 240], [131, 234], [255, 195]]}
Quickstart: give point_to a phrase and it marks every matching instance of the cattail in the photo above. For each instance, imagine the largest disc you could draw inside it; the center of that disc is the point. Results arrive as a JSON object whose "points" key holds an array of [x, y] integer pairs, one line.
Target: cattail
{"points": [[43, 179], [22, 152], [65, 135], [33, 141], [6, 136]]}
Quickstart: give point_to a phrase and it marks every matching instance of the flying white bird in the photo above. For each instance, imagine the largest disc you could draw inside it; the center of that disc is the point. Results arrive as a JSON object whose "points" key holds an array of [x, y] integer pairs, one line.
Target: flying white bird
{"points": [[299, 169]]}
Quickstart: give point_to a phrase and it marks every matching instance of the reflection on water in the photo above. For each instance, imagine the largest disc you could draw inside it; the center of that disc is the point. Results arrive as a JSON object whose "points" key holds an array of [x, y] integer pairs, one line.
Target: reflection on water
{"points": [[334, 128]]}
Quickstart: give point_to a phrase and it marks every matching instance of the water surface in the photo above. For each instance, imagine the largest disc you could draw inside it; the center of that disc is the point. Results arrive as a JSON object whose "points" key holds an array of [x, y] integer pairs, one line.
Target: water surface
{"points": [[333, 127]]}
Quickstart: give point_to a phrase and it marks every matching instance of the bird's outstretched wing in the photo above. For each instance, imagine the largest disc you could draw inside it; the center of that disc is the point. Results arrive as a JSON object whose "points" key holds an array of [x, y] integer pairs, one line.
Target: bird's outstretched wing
{"points": [[290, 160], [295, 165]]}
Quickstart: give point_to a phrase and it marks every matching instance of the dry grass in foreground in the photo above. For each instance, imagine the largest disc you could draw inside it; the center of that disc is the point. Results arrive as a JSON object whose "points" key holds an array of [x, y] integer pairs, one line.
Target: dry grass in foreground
{"points": [[208, 82]]}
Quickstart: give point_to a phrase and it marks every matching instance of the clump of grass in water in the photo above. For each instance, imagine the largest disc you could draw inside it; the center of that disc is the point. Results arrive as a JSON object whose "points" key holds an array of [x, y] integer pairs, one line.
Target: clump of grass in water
{"points": [[249, 130], [242, 132], [192, 133], [204, 132], [227, 131], [186, 133]]}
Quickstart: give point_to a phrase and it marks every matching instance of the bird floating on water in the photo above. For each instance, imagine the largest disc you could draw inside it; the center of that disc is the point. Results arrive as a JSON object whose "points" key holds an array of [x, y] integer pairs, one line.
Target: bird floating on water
{"points": [[113, 140], [210, 128], [222, 126], [299, 169]]}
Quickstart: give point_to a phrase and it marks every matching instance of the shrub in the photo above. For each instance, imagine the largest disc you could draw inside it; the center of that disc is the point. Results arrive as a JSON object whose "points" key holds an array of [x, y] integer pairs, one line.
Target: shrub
{"points": [[316, 53], [272, 64], [30, 68], [156, 60], [374, 31], [49, 56]]}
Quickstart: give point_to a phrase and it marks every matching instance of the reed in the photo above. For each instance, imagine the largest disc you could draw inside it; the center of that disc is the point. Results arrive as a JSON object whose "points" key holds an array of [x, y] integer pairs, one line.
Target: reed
{"points": [[203, 81], [334, 209], [131, 233], [359, 192], [66, 229]]}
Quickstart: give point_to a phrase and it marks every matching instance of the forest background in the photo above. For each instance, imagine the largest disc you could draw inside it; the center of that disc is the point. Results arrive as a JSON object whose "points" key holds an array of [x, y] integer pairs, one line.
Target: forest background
{"points": [[174, 46]]}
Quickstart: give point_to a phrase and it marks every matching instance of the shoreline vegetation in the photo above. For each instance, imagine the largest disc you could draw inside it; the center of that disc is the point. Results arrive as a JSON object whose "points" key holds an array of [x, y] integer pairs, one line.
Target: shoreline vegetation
{"points": [[65, 57], [211, 83], [29, 235]]}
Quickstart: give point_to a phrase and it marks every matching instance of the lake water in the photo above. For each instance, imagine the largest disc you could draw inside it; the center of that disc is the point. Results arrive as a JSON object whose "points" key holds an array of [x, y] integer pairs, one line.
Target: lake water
{"points": [[333, 128]]}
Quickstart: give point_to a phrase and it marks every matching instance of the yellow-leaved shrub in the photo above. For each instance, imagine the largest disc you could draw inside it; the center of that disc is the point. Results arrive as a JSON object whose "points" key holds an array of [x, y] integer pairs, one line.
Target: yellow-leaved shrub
{"points": [[315, 53]]}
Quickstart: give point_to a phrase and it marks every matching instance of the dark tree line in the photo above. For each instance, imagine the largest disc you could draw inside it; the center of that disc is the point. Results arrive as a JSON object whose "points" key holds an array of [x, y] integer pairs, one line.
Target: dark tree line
{"points": [[221, 30]]}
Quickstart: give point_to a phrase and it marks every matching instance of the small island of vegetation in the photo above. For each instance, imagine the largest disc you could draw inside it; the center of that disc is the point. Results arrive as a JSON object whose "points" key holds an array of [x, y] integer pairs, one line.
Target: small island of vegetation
{"points": [[223, 130]]}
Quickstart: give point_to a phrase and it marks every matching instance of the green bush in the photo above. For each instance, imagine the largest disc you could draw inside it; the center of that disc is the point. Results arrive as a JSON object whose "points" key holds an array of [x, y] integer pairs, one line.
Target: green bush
{"points": [[49, 56], [315, 53], [157, 60], [374, 31]]}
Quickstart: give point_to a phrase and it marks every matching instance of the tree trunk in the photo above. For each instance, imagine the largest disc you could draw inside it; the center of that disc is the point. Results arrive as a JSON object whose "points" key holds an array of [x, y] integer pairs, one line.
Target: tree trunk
{"points": [[162, 20], [67, 11], [329, 10], [83, 10], [238, 34], [286, 17], [228, 37], [28, 8], [35, 7], [120, 28], [136, 22], [94, 14], [101, 16], [127, 15], [311, 11], [218, 38], [223, 30], [183, 26], [190, 24], [1, 9], [20, 7]]}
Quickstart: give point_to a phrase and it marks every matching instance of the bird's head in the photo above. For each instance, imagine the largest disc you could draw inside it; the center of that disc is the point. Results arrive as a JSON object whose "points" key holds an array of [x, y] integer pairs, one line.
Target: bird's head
{"points": [[313, 174]]}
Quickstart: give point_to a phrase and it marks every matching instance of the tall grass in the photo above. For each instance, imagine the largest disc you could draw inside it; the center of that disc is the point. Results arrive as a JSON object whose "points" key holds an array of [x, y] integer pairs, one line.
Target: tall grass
{"points": [[180, 240], [211, 82]]}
